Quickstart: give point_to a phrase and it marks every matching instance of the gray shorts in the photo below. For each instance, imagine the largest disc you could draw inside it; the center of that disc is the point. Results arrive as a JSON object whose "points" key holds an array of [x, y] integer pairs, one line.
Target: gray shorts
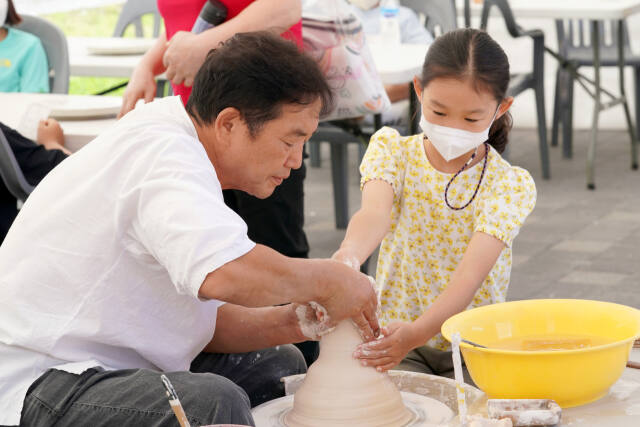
{"points": [[218, 389]]}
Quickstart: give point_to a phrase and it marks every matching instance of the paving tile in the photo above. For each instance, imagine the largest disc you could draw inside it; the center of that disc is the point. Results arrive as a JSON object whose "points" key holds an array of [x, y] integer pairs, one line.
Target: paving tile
{"points": [[594, 278], [588, 246]]}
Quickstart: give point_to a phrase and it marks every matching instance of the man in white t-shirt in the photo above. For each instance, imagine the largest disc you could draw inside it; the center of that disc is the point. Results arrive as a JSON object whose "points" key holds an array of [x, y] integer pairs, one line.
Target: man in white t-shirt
{"points": [[120, 263]]}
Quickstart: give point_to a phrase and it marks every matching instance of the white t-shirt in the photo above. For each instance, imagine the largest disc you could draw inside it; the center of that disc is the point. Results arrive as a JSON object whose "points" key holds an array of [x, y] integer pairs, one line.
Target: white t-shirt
{"points": [[103, 264]]}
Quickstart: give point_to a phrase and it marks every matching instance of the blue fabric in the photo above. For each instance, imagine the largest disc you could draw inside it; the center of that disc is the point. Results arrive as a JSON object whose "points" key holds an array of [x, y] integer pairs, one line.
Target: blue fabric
{"points": [[23, 63], [411, 30]]}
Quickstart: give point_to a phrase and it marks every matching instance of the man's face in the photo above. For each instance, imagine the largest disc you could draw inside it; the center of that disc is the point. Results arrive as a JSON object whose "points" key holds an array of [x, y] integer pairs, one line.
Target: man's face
{"points": [[265, 160]]}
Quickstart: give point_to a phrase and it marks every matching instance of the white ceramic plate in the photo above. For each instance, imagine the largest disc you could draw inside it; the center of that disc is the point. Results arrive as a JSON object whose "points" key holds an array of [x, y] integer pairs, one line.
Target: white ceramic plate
{"points": [[84, 107], [118, 45]]}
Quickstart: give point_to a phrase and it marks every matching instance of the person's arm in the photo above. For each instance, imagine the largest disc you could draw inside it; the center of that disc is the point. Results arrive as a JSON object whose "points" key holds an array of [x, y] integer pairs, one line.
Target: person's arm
{"points": [[142, 84], [263, 277], [186, 51], [399, 338], [369, 225], [397, 92], [34, 71], [236, 328]]}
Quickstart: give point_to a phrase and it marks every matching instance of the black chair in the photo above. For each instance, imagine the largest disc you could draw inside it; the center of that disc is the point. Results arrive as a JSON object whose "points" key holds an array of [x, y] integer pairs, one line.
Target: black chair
{"points": [[11, 173], [533, 80], [574, 45]]}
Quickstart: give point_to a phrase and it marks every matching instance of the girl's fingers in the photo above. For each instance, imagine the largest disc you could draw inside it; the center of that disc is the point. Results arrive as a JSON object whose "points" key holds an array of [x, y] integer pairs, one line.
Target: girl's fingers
{"points": [[379, 344], [370, 354], [386, 367], [375, 363]]}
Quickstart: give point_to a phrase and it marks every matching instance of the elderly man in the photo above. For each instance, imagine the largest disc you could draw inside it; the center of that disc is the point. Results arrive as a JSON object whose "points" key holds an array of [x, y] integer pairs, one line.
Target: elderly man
{"points": [[120, 263]]}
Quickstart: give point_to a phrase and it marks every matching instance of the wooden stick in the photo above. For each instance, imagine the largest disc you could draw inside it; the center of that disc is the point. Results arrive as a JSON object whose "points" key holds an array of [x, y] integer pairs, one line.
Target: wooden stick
{"points": [[635, 365], [636, 343]]}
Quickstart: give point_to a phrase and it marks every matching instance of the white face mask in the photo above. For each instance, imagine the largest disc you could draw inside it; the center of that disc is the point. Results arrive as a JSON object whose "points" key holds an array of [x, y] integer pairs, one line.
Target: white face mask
{"points": [[452, 143], [4, 9], [365, 4]]}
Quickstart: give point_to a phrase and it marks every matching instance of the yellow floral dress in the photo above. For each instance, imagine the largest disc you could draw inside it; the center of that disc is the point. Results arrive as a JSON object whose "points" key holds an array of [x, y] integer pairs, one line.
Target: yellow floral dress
{"points": [[427, 239]]}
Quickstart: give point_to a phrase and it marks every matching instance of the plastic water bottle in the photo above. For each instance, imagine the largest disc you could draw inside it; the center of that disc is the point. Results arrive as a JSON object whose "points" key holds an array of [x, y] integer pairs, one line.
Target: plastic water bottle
{"points": [[212, 13], [389, 22]]}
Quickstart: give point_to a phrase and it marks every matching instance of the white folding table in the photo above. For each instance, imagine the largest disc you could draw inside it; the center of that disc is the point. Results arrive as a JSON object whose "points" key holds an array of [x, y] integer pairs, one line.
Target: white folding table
{"points": [[594, 11]]}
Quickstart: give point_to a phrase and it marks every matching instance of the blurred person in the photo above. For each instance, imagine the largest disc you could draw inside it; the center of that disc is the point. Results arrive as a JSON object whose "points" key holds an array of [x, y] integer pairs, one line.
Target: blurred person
{"points": [[278, 221], [411, 31], [23, 62], [35, 158]]}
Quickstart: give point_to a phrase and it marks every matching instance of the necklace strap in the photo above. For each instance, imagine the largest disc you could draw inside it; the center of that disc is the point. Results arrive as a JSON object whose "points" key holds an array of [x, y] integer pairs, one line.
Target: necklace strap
{"points": [[484, 167]]}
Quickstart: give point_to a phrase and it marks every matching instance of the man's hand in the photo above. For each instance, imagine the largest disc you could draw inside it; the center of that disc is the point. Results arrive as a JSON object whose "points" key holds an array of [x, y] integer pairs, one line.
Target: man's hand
{"points": [[347, 257], [385, 353], [351, 295], [184, 57]]}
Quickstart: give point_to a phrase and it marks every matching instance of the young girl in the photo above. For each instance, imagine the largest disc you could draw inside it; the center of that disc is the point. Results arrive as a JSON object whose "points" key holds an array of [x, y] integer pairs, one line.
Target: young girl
{"points": [[23, 62], [444, 203]]}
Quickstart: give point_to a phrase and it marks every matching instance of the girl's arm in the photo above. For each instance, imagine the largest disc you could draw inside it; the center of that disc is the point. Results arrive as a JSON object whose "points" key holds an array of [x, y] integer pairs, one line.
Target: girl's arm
{"points": [[369, 225], [478, 260]]}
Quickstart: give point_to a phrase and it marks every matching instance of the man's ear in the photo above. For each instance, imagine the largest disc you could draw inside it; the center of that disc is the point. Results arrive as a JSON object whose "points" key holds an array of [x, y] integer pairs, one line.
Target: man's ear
{"points": [[417, 86], [504, 106], [228, 123]]}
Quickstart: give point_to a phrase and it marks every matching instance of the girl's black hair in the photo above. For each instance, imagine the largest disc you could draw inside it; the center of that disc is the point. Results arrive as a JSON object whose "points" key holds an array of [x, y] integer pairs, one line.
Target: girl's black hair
{"points": [[472, 54], [13, 18]]}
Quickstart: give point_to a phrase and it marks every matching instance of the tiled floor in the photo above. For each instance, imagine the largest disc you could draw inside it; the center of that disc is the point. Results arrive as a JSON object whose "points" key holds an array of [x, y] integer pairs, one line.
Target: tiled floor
{"points": [[576, 244]]}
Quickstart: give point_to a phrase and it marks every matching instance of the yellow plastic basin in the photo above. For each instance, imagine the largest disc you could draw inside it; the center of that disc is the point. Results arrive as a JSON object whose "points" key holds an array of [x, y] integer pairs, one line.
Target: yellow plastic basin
{"points": [[599, 336]]}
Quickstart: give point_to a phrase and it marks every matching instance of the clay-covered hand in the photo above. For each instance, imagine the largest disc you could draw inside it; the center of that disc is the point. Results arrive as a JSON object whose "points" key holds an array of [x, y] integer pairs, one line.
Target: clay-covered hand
{"points": [[386, 352], [349, 294], [183, 58], [346, 256], [313, 321]]}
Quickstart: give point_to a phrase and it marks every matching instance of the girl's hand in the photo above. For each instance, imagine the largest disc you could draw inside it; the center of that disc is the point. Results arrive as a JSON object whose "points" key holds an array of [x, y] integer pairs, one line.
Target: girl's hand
{"points": [[183, 58], [383, 354], [346, 256]]}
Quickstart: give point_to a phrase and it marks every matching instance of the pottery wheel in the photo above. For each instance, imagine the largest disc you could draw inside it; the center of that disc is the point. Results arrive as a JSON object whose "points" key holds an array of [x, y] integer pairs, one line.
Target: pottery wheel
{"points": [[272, 413]]}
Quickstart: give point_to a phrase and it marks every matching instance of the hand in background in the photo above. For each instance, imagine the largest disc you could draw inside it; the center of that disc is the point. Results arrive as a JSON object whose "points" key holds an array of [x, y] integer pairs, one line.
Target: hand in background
{"points": [[184, 57], [51, 136], [141, 86], [345, 256]]}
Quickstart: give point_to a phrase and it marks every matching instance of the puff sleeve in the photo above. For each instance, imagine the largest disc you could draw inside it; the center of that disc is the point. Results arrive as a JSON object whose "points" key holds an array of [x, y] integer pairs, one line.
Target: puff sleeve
{"points": [[384, 160], [508, 203]]}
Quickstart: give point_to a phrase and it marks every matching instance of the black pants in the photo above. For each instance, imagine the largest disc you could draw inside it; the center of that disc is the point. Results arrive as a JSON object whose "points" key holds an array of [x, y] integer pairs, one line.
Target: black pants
{"points": [[278, 222], [219, 389]]}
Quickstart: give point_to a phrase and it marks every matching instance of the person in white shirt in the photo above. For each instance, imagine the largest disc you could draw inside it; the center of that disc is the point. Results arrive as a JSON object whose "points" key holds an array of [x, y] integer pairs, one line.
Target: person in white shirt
{"points": [[411, 32], [125, 263]]}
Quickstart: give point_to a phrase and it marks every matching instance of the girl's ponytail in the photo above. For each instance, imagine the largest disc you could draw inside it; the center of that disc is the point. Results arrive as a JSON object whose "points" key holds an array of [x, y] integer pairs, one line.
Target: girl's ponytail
{"points": [[499, 132]]}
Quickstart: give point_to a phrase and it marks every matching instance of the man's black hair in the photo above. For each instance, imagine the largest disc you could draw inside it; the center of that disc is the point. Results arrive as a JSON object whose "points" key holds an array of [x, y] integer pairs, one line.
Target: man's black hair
{"points": [[256, 73]]}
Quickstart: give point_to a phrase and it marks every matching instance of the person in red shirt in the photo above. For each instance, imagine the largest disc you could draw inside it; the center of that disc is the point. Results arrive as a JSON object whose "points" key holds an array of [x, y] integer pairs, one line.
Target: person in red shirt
{"points": [[277, 221]]}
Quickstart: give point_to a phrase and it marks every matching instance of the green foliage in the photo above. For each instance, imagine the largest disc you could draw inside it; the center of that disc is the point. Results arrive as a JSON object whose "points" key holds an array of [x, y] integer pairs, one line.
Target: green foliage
{"points": [[98, 22]]}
